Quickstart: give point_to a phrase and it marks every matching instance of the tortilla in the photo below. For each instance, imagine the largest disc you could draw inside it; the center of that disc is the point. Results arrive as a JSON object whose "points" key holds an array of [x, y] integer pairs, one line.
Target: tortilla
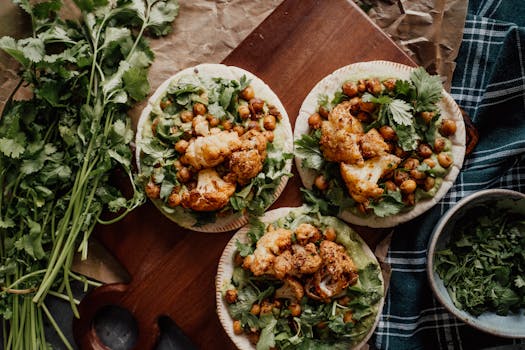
{"points": [[226, 268], [382, 70], [282, 140]]}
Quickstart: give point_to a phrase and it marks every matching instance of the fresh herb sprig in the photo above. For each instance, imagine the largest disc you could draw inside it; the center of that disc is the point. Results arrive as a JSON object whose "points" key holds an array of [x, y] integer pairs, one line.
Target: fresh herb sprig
{"points": [[483, 266], [59, 149]]}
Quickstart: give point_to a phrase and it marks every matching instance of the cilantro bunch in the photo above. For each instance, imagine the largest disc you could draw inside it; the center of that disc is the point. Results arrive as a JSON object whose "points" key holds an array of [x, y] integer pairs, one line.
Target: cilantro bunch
{"points": [[60, 149]]}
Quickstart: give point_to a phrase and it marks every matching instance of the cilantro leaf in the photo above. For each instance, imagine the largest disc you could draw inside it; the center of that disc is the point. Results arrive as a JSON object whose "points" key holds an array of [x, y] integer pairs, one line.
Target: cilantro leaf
{"points": [[136, 83], [428, 88], [401, 112], [11, 148], [389, 204], [307, 148]]}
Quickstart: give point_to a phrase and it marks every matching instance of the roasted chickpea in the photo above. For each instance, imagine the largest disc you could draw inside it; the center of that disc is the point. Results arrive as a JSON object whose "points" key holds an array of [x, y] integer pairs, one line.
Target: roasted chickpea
{"points": [[417, 175], [227, 124], [321, 183], [295, 309], [427, 116], [231, 296], [430, 162], [390, 186], [154, 126], [411, 163], [408, 186], [256, 105], [400, 177], [361, 85], [184, 175], [152, 190], [439, 144], [350, 88], [174, 199], [315, 121], [424, 150], [410, 199], [277, 304], [348, 317], [364, 117], [269, 122], [387, 133], [237, 327], [390, 84], [247, 93], [165, 103], [177, 164], [254, 124], [181, 146], [444, 159], [344, 301], [355, 103], [374, 86], [255, 310], [269, 135], [329, 234], [213, 120], [244, 111], [368, 107], [324, 112], [448, 127], [274, 111], [239, 129], [266, 307], [199, 109], [429, 183], [186, 116], [401, 153]]}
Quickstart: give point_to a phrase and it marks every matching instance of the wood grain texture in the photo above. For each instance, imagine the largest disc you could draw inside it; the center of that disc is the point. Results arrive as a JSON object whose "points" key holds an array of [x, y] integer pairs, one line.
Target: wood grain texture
{"points": [[173, 269]]}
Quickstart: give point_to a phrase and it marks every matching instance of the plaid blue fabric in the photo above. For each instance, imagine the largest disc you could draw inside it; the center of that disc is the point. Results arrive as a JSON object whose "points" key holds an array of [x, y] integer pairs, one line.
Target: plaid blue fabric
{"points": [[489, 84]]}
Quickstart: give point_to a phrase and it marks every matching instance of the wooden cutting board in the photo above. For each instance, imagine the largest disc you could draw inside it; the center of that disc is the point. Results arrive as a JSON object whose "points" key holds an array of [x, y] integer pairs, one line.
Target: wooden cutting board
{"points": [[173, 269]]}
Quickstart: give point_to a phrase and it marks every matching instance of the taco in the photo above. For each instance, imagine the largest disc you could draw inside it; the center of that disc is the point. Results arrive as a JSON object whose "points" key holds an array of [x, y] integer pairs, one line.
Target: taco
{"points": [[298, 279], [378, 143], [214, 145]]}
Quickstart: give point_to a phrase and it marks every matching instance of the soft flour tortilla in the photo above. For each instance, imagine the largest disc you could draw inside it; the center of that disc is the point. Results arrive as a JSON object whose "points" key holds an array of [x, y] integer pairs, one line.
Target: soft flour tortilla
{"points": [[226, 267], [382, 70], [283, 140]]}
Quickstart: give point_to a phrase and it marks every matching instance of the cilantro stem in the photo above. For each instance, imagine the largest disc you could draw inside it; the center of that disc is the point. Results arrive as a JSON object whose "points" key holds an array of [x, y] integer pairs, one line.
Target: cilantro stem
{"points": [[56, 327], [22, 279], [63, 297]]}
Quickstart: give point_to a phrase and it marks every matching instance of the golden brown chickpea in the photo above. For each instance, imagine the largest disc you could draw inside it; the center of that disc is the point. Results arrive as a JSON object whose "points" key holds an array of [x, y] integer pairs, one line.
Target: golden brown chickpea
{"points": [[256, 105], [315, 121], [238, 259], [411, 163], [324, 112], [448, 127], [344, 301], [320, 182], [390, 186], [364, 117], [227, 124], [247, 93], [154, 126], [439, 144], [390, 84], [177, 164], [424, 150], [410, 199], [174, 200], [165, 103], [273, 110], [329, 234], [408, 186], [152, 190], [254, 124], [430, 162], [417, 175], [387, 133], [400, 177], [239, 129], [199, 109], [186, 116], [266, 307], [355, 103], [237, 327], [255, 310], [181, 146], [429, 183], [444, 159], [350, 88], [295, 309], [368, 107], [213, 120], [269, 135], [231, 296], [398, 151], [348, 317], [244, 111], [374, 86], [277, 304], [269, 122], [184, 175], [361, 85], [427, 116]]}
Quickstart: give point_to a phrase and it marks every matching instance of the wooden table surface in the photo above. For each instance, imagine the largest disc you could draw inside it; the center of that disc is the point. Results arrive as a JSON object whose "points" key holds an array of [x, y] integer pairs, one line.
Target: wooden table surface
{"points": [[173, 269]]}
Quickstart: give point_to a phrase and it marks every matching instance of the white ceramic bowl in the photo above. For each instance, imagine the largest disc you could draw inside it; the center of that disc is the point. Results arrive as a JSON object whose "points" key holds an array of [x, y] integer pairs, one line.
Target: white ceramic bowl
{"points": [[511, 326]]}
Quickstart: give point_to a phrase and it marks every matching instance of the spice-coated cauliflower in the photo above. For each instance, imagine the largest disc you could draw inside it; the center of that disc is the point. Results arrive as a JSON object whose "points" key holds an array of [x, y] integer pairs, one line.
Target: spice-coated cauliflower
{"points": [[211, 150], [211, 193]]}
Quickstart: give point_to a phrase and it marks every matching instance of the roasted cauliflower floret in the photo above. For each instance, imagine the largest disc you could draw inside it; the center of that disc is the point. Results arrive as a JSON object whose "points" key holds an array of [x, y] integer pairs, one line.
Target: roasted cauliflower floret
{"points": [[361, 180], [305, 260], [306, 233], [341, 118], [211, 193], [291, 289], [373, 144], [245, 165], [211, 150], [201, 125], [283, 264], [256, 140], [271, 244]]}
